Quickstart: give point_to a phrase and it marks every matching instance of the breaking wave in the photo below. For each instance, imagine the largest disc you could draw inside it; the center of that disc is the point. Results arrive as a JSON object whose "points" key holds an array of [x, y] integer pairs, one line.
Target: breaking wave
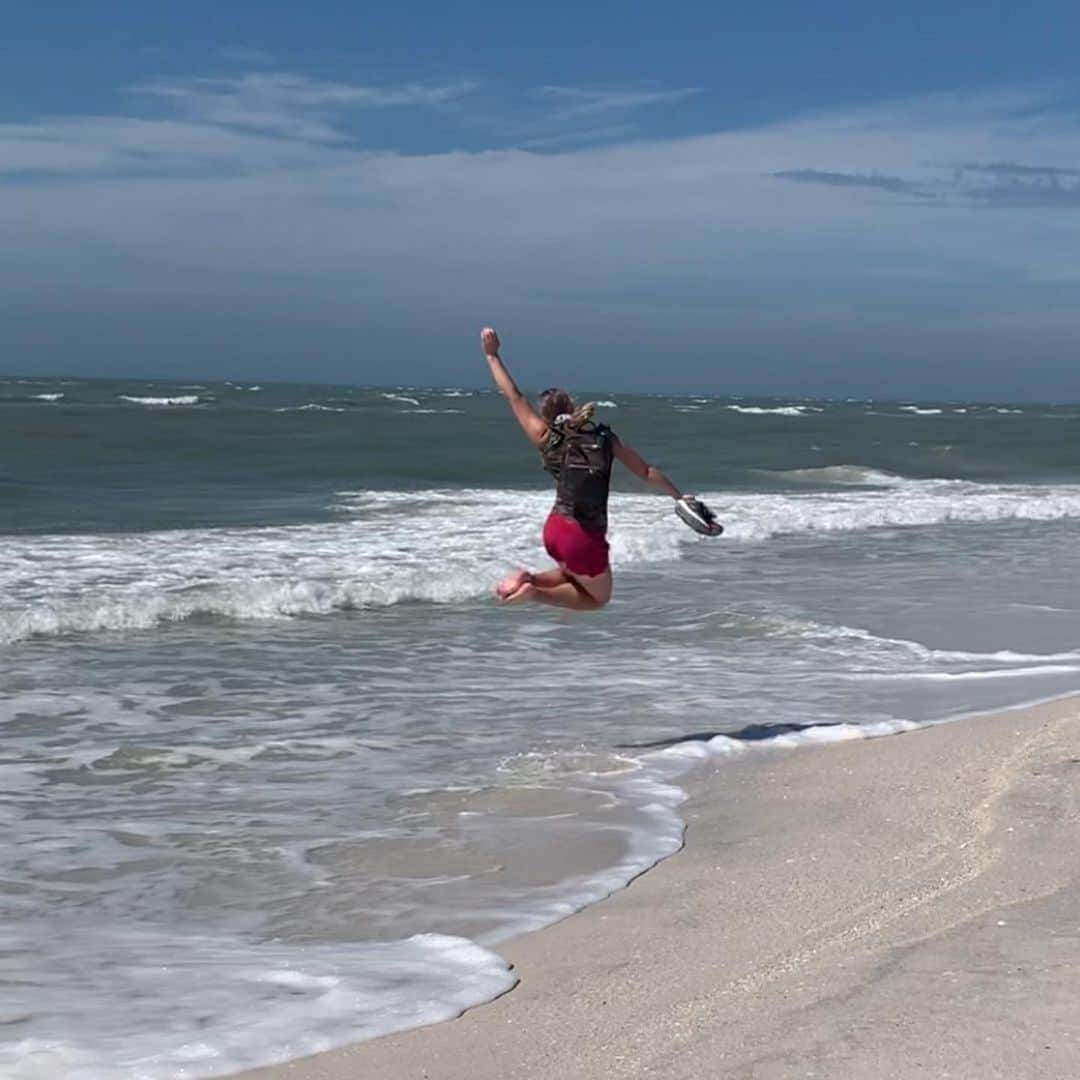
{"points": [[311, 406], [180, 399], [435, 546], [843, 476], [899, 503], [780, 410]]}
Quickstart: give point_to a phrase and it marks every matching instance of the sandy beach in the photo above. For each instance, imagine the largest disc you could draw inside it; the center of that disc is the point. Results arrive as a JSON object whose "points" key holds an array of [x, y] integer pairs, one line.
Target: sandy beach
{"points": [[898, 907]]}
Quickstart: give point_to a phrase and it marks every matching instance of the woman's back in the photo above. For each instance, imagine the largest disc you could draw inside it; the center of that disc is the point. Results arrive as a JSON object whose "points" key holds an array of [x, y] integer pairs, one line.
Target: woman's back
{"points": [[580, 459]]}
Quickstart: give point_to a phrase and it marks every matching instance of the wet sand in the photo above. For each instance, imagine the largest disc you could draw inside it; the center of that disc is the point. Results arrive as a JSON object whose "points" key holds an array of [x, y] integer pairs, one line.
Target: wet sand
{"points": [[893, 908]]}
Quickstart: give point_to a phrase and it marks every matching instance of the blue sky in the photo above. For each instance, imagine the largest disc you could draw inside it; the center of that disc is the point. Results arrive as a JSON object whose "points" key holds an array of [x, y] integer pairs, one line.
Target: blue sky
{"points": [[828, 198]]}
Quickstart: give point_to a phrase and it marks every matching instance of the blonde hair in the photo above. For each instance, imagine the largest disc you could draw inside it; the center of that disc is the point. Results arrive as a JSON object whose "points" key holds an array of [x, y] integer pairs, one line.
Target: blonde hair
{"points": [[556, 402]]}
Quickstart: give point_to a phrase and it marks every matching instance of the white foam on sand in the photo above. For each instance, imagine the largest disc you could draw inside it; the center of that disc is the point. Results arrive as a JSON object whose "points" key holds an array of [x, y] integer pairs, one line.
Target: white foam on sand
{"points": [[187, 1005], [211, 1005]]}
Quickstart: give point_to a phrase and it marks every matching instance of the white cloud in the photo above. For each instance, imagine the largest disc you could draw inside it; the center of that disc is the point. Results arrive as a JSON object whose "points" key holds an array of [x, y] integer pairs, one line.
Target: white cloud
{"points": [[298, 91], [250, 124], [587, 136], [290, 105], [577, 101], [625, 235]]}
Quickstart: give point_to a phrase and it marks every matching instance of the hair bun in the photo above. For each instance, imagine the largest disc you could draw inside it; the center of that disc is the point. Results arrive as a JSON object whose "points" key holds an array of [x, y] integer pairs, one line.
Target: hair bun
{"points": [[582, 415]]}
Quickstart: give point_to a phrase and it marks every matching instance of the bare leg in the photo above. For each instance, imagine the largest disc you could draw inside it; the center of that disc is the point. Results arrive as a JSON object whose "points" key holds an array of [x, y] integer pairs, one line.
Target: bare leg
{"points": [[560, 588], [546, 579]]}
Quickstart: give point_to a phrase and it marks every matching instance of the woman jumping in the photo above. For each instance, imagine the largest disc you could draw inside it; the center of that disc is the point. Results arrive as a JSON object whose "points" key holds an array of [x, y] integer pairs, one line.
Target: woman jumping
{"points": [[579, 455]]}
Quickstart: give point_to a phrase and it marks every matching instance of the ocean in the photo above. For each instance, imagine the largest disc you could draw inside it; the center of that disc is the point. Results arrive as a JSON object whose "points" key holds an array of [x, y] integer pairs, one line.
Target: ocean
{"points": [[279, 775]]}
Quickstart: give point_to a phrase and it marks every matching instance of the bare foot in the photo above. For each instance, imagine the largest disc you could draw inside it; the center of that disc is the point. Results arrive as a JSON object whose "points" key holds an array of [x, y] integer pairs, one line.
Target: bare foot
{"points": [[526, 592], [510, 585]]}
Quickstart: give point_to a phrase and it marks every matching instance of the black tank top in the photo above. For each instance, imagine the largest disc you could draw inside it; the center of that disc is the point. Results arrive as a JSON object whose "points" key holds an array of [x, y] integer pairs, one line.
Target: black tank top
{"points": [[580, 460]]}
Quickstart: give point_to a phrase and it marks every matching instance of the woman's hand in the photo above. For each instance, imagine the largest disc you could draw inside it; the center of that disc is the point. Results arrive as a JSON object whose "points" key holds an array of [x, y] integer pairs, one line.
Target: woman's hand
{"points": [[490, 341]]}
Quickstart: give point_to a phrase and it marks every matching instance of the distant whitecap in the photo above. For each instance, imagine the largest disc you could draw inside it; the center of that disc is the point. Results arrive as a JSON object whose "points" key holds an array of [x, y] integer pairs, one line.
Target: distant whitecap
{"points": [[180, 399]]}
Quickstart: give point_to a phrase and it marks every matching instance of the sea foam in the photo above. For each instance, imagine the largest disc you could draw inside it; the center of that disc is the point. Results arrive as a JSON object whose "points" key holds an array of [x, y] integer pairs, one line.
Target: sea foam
{"points": [[211, 1005], [435, 546]]}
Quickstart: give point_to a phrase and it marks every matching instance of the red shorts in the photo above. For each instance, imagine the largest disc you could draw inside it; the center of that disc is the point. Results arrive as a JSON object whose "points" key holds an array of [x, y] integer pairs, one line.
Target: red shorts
{"points": [[580, 550]]}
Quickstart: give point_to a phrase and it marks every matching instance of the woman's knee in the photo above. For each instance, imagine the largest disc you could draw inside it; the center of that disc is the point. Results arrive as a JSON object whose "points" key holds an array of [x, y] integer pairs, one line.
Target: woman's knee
{"points": [[599, 593]]}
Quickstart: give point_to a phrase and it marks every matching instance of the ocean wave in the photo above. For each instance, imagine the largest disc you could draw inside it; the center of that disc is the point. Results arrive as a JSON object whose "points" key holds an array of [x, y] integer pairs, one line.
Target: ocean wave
{"points": [[808, 629], [959, 676], [400, 397], [311, 406], [844, 476], [180, 399], [257, 600], [911, 503], [435, 546], [915, 410], [606, 404], [47, 397], [780, 410]]}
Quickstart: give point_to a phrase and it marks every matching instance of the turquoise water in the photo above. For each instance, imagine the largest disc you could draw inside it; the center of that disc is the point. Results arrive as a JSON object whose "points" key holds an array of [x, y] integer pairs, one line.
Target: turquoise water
{"points": [[263, 729]]}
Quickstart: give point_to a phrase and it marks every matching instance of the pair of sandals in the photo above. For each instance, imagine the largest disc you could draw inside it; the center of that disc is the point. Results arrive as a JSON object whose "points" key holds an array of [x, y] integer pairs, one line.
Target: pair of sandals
{"points": [[698, 516]]}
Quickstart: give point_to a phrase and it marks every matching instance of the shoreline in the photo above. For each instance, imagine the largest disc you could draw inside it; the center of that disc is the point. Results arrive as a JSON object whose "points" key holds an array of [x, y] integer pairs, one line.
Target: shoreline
{"points": [[823, 915]]}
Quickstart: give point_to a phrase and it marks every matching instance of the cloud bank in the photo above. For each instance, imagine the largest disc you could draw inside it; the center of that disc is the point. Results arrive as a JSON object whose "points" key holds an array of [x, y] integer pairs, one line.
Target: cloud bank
{"points": [[856, 237]]}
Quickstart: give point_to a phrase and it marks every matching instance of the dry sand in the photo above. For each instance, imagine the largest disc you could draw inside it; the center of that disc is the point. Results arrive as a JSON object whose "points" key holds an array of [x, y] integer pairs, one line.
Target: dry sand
{"points": [[896, 908]]}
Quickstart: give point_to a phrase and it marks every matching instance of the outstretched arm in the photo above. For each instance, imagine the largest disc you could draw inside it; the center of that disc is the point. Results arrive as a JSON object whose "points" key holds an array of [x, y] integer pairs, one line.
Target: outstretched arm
{"points": [[641, 468], [533, 426]]}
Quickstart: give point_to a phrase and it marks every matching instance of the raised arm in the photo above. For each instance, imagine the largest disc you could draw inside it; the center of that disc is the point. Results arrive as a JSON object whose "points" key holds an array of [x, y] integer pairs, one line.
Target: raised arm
{"points": [[641, 468], [533, 426]]}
